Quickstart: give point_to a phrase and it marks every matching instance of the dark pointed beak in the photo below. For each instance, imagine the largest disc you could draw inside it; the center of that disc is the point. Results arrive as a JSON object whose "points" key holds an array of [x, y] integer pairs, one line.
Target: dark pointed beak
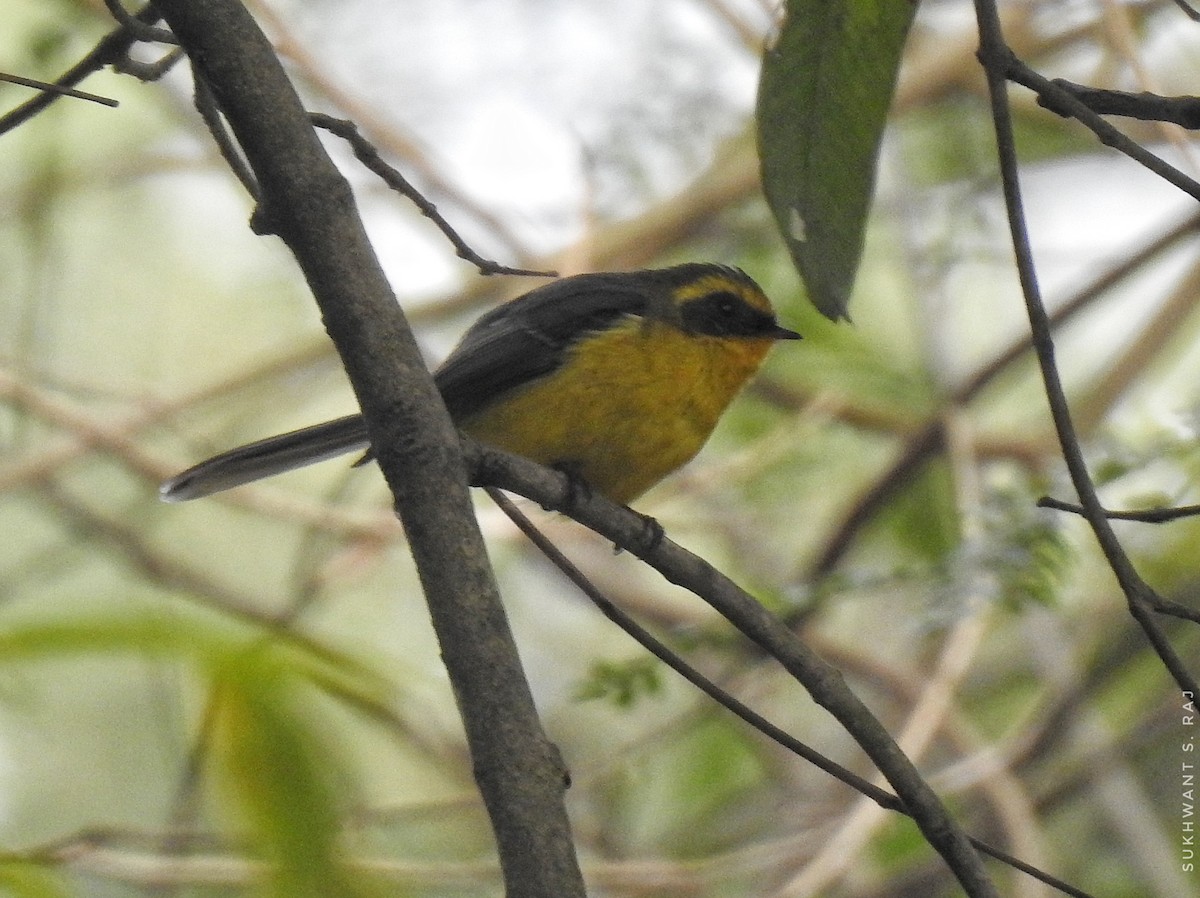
{"points": [[782, 333]]}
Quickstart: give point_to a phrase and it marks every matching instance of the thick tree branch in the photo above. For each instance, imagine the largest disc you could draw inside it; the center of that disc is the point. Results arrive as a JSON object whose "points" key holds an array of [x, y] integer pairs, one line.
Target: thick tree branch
{"points": [[659, 650], [307, 202], [824, 683]]}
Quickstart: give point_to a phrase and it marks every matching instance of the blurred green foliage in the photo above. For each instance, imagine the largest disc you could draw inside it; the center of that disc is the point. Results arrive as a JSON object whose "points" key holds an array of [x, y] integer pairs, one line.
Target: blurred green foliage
{"points": [[250, 683]]}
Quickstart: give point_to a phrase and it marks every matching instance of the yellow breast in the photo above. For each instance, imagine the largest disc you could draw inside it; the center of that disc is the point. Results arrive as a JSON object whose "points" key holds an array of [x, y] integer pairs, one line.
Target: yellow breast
{"points": [[627, 407]]}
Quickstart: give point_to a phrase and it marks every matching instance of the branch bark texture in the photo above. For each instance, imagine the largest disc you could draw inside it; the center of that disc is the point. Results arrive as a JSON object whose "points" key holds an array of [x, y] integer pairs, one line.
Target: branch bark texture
{"points": [[823, 682], [307, 202]]}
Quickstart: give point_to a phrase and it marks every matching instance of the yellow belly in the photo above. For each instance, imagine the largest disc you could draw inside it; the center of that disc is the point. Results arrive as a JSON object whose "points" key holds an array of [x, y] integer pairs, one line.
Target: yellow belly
{"points": [[627, 408]]}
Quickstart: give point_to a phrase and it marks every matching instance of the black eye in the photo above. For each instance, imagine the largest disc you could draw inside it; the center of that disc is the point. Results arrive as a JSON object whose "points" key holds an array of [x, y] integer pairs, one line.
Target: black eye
{"points": [[726, 304], [723, 313]]}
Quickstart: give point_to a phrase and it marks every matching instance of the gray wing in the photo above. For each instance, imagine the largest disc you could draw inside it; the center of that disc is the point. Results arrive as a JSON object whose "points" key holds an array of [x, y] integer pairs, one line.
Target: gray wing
{"points": [[527, 338], [511, 345]]}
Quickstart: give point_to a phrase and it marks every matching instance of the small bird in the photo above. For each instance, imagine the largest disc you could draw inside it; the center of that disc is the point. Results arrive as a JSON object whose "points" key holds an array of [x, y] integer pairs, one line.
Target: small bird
{"points": [[616, 378]]}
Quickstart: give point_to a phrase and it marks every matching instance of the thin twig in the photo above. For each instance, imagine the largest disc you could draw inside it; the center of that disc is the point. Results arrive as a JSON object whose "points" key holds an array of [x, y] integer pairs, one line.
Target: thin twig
{"points": [[823, 682], [659, 650], [928, 440], [1147, 516], [58, 89], [141, 30], [148, 71], [384, 131], [664, 654], [1063, 102], [1188, 10], [210, 114], [111, 48], [1143, 105], [366, 153], [999, 65]]}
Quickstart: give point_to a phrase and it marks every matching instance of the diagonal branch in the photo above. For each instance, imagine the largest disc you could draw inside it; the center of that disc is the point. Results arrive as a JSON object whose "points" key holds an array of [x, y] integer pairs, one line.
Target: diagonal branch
{"points": [[109, 51], [365, 152], [1000, 65], [824, 683], [927, 441], [307, 202], [881, 797]]}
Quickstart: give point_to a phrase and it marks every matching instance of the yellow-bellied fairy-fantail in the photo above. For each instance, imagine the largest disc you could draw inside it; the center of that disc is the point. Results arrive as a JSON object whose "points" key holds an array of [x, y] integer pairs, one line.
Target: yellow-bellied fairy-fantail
{"points": [[616, 377]]}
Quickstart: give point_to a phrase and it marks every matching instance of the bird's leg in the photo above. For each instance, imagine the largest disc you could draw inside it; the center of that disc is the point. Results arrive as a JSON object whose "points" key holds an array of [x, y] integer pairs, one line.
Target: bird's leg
{"points": [[576, 489], [652, 533]]}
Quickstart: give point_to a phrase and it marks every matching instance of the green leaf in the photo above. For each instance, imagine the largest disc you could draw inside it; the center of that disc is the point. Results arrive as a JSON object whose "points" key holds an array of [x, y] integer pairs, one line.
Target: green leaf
{"points": [[25, 879], [622, 683], [285, 776], [1024, 548], [822, 103], [272, 740], [188, 634]]}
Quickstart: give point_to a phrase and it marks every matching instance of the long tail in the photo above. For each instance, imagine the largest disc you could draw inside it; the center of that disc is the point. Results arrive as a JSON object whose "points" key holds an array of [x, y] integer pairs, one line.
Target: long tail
{"points": [[268, 457]]}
